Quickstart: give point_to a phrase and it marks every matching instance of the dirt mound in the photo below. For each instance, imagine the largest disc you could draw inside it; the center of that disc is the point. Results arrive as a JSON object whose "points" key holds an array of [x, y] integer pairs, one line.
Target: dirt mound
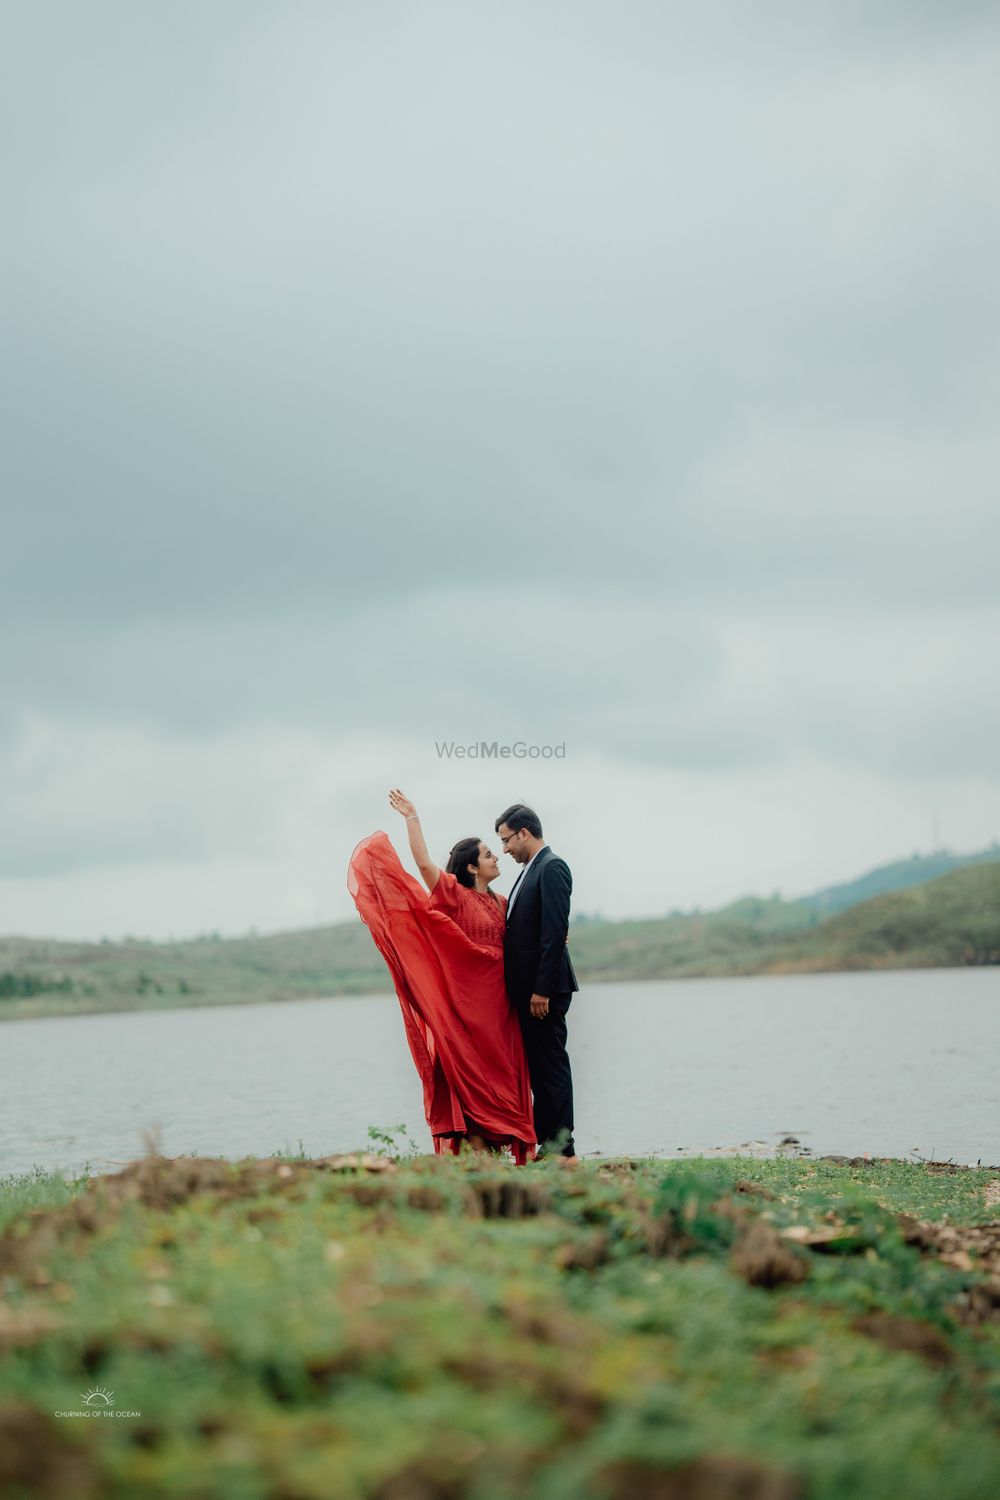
{"points": [[716, 1476], [763, 1258], [160, 1183], [36, 1458], [910, 1334], [964, 1247]]}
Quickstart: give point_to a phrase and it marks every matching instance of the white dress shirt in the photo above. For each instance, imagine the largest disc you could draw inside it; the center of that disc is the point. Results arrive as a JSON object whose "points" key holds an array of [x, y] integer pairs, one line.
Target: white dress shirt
{"points": [[520, 880]]}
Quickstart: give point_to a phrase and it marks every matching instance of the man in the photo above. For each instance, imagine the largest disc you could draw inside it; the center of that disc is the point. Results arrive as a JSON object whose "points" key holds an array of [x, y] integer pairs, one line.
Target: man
{"points": [[540, 978]]}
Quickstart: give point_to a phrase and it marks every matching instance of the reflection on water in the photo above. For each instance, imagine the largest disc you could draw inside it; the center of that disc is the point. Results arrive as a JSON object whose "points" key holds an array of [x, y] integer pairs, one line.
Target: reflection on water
{"points": [[885, 1063]]}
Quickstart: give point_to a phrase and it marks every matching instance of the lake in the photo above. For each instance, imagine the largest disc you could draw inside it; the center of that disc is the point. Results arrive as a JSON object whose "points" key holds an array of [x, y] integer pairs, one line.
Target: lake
{"points": [[886, 1063]]}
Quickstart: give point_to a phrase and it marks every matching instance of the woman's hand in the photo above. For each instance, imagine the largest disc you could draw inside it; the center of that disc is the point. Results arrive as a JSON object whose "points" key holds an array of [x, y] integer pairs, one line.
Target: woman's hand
{"points": [[402, 804], [415, 835]]}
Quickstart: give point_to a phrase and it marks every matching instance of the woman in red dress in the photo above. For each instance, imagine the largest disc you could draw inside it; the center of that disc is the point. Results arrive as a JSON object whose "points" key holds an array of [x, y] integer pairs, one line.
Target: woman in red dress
{"points": [[445, 954]]}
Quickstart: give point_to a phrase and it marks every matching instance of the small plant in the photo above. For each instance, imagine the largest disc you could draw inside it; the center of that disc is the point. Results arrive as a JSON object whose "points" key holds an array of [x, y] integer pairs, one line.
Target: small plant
{"points": [[287, 1154], [386, 1140], [685, 1202]]}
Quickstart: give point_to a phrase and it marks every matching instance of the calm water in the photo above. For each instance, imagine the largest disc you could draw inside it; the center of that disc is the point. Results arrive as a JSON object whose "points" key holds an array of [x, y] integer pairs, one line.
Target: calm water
{"points": [[885, 1063]]}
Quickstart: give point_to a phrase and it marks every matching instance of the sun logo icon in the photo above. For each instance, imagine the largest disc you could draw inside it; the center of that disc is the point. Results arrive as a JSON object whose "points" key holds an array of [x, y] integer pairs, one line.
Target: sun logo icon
{"points": [[99, 1396]]}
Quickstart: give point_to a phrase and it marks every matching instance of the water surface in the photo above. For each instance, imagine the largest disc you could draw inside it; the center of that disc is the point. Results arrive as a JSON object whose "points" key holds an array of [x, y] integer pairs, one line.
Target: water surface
{"points": [[886, 1063]]}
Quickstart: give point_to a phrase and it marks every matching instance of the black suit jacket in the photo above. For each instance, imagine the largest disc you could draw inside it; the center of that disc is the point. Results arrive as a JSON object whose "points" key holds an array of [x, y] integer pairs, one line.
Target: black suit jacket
{"points": [[536, 959]]}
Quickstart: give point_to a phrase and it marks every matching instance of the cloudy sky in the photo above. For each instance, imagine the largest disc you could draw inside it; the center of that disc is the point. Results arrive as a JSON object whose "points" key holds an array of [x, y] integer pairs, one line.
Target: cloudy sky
{"points": [[616, 376]]}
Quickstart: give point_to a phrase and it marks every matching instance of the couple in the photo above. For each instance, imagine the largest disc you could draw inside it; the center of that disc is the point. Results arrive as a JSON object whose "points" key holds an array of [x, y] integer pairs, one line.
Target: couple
{"points": [[484, 981]]}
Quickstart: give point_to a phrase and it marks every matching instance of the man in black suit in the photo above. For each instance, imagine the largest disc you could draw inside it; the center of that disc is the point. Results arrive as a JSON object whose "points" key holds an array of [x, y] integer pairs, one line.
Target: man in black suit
{"points": [[540, 978]]}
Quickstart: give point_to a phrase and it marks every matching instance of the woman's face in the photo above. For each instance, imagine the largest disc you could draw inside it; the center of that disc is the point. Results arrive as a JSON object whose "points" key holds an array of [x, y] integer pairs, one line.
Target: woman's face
{"points": [[489, 865]]}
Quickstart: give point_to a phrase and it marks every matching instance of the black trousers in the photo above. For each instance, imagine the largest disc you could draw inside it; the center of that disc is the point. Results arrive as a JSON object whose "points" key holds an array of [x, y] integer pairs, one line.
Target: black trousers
{"points": [[548, 1066]]}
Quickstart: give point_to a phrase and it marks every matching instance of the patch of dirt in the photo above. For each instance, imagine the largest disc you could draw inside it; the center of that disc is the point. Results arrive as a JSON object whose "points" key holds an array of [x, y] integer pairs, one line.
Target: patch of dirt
{"points": [[964, 1247], [36, 1458], [160, 1183], [427, 1198], [787, 1357], [419, 1482], [763, 1258], [510, 1198], [949, 1168], [940, 1168], [368, 1193], [961, 1245], [910, 1334], [755, 1189], [716, 1476], [584, 1254], [542, 1324], [19, 1328]]}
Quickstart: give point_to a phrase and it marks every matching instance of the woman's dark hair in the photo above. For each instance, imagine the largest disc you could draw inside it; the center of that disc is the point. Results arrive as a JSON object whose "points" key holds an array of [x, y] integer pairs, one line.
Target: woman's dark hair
{"points": [[519, 816], [464, 854]]}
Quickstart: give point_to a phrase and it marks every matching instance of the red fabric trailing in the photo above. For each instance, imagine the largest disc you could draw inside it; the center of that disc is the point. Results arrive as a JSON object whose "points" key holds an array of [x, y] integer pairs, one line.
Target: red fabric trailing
{"points": [[445, 955]]}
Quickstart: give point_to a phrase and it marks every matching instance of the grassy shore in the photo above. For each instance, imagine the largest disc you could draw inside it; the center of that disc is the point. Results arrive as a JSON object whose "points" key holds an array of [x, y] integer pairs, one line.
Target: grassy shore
{"points": [[429, 1329], [953, 921]]}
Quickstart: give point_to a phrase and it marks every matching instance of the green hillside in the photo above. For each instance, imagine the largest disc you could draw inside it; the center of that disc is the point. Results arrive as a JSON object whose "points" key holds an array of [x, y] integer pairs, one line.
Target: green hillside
{"points": [[40, 977], [901, 875], [952, 921]]}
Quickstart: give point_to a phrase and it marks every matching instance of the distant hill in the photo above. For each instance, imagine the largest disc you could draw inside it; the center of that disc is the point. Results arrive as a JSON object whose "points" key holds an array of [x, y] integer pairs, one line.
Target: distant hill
{"points": [[776, 914], [951, 921], [42, 977], [900, 876]]}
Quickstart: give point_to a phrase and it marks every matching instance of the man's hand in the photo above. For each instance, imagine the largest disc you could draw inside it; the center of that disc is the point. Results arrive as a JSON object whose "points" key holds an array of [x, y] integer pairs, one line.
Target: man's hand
{"points": [[539, 1006]]}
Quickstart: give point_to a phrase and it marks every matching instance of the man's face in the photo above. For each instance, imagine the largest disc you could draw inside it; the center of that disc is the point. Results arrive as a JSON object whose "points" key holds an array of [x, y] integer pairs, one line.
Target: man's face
{"points": [[513, 844]]}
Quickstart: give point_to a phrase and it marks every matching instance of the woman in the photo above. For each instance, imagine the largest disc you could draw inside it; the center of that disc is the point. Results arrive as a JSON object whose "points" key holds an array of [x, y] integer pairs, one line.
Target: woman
{"points": [[445, 954]]}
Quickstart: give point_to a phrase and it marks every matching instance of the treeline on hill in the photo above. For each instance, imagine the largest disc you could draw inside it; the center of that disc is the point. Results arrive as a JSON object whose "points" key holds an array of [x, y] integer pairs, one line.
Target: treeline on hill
{"points": [[898, 876], [949, 922]]}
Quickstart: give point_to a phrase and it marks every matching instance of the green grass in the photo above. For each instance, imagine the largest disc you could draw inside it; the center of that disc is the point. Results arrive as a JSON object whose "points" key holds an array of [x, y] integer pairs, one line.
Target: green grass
{"points": [[462, 1328], [951, 921]]}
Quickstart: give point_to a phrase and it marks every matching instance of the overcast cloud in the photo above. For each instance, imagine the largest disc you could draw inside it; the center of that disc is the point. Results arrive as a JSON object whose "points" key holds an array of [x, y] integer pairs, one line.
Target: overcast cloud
{"points": [[622, 376]]}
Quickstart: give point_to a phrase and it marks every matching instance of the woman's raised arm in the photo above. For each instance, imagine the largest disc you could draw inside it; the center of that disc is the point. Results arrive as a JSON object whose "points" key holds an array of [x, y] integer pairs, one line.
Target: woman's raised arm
{"points": [[418, 844]]}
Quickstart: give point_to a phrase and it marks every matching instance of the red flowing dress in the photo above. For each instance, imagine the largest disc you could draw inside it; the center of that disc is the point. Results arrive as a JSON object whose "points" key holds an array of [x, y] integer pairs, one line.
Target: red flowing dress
{"points": [[445, 955]]}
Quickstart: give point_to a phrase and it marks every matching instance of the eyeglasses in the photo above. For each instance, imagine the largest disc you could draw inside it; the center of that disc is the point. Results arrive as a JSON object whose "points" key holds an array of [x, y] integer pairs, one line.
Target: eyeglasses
{"points": [[505, 841]]}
